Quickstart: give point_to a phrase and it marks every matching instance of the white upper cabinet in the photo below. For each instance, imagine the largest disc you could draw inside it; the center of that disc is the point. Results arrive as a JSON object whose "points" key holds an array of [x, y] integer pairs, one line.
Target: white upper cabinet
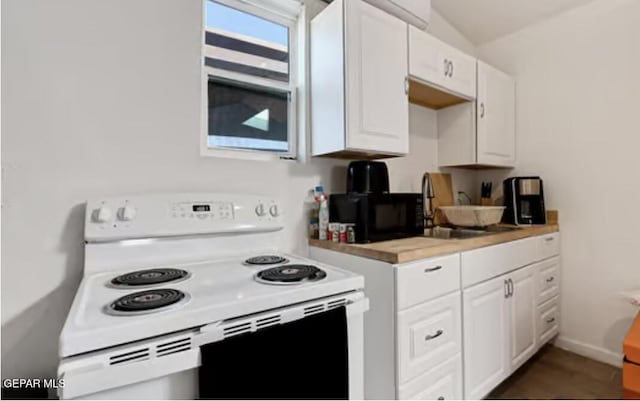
{"points": [[434, 62], [415, 12], [480, 133], [496, 117], [359, 101]]}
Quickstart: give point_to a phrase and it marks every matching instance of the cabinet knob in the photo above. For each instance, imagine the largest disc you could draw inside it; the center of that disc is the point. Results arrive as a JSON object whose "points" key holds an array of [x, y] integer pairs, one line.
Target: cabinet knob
{"points": [[441, 398], [551, 320], [481, 110], [451, 69], [550, 279], [446, 67]]}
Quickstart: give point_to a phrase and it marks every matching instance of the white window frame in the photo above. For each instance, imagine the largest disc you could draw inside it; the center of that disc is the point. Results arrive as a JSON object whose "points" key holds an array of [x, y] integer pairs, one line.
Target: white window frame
{"points": [[280, 15]]}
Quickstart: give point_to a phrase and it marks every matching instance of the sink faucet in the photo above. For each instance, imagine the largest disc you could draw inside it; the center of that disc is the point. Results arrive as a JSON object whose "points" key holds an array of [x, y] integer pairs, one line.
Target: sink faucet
{"points": [[427, 200]]}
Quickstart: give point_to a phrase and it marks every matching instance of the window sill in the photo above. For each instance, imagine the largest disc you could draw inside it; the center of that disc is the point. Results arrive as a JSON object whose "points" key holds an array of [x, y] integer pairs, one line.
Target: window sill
{"points": [[240, 154]]}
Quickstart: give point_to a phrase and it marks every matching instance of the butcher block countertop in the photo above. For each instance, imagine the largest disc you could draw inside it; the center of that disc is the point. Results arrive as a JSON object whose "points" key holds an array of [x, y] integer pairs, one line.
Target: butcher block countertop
{"points": [[415, 248]]}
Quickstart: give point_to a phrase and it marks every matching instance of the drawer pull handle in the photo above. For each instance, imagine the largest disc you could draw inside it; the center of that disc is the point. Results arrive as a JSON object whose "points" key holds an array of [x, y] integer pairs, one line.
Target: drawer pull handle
{"points": [[432, 336], [432, 269], [551, 320], [549, 239], [441, 398], [550, 279]]}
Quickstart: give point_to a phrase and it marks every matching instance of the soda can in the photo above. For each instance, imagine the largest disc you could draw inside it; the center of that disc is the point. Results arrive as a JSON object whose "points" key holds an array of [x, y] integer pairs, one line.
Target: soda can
{"points": [[343, 233], [334, 232]]}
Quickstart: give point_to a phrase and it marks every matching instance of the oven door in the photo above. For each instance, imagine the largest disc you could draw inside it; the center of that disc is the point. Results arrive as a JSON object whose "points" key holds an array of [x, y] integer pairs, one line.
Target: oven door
{"points": [[258, 356], [393, 216]]}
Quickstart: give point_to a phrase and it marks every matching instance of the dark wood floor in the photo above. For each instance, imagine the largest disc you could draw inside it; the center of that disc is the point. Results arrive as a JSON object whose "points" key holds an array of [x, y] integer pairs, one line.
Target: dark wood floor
{"points": [[557, 374]]}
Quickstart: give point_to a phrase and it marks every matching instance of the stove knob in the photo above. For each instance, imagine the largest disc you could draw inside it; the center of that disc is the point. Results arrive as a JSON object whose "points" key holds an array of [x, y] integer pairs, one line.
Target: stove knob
{"points": [[273, 210], [260, 210], [127, 213], [102, 215]]}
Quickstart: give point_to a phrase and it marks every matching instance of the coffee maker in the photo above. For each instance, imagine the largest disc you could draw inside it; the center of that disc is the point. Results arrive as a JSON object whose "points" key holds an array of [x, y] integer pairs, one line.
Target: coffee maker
{"points": [[524, 199]]}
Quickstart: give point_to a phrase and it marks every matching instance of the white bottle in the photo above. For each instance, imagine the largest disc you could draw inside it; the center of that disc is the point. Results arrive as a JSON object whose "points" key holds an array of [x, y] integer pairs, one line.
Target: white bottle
{"points": [[311, 211], [323, 213]]}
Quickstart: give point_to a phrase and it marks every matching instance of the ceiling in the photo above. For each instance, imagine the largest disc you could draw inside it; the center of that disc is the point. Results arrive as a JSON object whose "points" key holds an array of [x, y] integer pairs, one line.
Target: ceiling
{"points": [[482, 21]]}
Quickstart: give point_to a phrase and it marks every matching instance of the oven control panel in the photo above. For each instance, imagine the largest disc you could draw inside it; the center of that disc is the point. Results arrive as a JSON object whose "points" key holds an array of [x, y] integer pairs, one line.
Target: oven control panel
{"points": [[179, 215]]}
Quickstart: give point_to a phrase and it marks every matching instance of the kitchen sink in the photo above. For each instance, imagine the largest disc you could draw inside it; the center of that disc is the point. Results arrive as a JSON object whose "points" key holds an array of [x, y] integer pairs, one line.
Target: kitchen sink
{"points": [[444, 232]]}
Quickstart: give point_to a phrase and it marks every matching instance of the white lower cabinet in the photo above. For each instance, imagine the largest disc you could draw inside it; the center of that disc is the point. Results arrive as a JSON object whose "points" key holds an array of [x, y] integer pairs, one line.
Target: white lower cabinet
{"points": [[548, 279], [428, 334], [523, 315], [455, 326], [500, 329], [443, 382], [485, 315], [548, 320]]}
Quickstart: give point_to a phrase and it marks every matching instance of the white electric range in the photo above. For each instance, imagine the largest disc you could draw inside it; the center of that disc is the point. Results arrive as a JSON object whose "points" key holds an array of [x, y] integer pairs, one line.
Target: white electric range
{"points": [[188, 295]]}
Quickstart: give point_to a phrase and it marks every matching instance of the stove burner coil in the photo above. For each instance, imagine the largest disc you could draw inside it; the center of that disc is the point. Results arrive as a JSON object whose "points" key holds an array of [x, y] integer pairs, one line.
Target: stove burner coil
{"points": [[149, 277], [290, 274], [266, 260], [146, 301]]}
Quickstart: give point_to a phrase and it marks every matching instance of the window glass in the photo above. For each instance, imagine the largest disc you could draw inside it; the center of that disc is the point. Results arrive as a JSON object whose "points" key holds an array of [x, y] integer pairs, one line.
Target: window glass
{"points": [[245, 43], [245, 117]]}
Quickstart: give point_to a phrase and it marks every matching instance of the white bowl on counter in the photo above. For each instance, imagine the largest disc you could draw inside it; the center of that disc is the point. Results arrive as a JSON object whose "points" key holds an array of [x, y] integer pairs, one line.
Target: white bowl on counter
{"points": [[473, 216]]}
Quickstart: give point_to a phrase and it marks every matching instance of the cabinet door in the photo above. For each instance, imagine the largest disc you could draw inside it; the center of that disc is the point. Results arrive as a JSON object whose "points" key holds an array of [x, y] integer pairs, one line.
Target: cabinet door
{"points": [[496, 128], [460, 74], [486, 341], [426, 60], [377, 105], [522, 315], [443, 66]]}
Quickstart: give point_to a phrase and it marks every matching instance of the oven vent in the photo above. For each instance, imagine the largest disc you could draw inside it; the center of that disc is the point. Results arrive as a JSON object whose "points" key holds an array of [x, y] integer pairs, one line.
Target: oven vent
{"points": [[172, 347], [131, 356], [337, 303], [237, 329], [310, 310], [267, 321]]}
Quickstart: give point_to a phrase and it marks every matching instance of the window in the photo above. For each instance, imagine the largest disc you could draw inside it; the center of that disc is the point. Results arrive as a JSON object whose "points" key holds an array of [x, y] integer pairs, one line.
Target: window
{"points": [[250, 76]]}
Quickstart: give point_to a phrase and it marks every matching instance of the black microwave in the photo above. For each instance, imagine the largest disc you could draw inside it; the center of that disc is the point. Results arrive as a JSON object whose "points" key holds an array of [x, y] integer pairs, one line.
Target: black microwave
{"points": [[379, 216]]}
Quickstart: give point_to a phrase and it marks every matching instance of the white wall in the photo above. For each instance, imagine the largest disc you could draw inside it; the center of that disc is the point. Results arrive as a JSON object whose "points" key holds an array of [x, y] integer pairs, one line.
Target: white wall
{"points": [[405, 173], [578, 91], [101, 98]]}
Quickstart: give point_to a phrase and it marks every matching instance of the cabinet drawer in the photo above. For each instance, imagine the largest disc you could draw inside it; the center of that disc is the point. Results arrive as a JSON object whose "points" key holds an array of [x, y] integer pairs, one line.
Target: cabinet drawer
{"points": [[548, 245], [443, 382], [427, 335], [548, 279], [427, 279], [549, 320], [493, 261]]}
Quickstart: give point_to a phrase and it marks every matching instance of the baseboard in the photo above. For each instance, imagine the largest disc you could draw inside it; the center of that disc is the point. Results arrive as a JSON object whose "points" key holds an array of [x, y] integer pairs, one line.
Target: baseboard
{"points": [[589, 351]]}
